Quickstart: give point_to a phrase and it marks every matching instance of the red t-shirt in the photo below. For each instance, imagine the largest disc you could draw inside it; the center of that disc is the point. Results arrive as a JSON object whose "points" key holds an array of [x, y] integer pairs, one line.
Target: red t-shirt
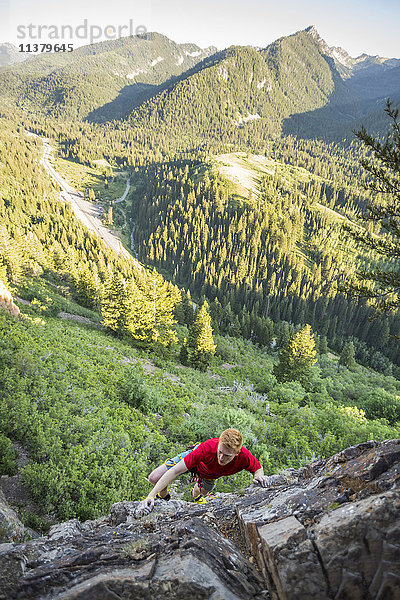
{"points": [[204, 458]]}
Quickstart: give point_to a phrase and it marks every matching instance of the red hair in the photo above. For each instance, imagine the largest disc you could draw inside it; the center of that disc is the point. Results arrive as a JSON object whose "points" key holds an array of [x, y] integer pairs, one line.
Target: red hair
{"points": [[231, 438]]}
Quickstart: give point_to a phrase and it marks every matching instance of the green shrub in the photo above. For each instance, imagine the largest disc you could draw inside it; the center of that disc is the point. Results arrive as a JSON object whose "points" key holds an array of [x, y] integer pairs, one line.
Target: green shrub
{"points": [[140, 395], [379, 404], [8, 456], [290, 391], [267, 383]]}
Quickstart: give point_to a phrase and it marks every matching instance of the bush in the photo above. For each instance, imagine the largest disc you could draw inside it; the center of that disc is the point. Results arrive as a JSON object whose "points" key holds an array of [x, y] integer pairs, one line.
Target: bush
{"points": [[290, 391], [140, 395], [379, 404], [267, 383], [8, 456]]}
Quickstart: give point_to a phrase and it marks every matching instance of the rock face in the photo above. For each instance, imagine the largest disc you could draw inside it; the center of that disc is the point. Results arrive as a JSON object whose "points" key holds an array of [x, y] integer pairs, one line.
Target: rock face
{"points": [[330, 532]]}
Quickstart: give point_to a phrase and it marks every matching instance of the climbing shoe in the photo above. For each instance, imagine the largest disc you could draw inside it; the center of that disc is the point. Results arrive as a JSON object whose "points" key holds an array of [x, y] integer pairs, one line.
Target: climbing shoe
{"points": [[166, 498], [200, 499]]}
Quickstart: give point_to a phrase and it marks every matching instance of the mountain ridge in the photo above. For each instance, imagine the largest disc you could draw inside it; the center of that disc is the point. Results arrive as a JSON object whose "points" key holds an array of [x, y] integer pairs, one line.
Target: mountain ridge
{"points": [[348, 66], [295, 85], [76, 84], [243, 88]]}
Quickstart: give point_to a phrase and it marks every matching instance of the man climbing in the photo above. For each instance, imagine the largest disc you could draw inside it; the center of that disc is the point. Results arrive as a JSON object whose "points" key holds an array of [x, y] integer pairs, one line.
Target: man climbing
{"points": [[214, 458]]}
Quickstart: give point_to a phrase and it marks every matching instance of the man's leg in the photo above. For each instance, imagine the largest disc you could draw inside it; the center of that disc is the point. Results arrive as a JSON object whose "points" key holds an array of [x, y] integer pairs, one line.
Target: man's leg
{"points": [[197, 491], [156, 475], [171, 462]]}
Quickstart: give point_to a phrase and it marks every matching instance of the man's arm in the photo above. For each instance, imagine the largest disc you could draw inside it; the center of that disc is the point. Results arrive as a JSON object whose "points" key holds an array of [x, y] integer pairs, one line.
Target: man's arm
{"points": [[148, 503]]}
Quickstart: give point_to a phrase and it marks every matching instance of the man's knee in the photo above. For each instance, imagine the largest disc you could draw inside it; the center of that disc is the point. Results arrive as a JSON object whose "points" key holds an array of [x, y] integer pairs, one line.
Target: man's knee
{"points": [[157, 474], [153, 478]]}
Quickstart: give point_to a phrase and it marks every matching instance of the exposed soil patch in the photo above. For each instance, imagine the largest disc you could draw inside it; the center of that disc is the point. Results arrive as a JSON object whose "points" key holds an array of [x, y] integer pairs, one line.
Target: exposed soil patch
{"points": [[69, 317], [228, 366]]}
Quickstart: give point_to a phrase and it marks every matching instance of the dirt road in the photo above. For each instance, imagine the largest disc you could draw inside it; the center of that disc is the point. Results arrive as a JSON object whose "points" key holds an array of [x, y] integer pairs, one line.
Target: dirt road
{"points": [[85, 211]]}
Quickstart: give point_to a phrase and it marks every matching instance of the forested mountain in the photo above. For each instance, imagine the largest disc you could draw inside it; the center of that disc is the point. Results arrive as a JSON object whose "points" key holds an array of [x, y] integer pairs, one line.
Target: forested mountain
{"points": [[238, 96], [99, 81], [242, 94]]}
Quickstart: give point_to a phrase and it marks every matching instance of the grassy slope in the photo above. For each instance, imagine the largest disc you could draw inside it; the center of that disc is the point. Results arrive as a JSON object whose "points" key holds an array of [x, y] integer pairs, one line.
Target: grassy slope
{"points": [[245, 171]]}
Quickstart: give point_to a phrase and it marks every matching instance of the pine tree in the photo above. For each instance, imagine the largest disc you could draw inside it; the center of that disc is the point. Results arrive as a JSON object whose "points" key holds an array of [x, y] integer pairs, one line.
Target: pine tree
{"points": [[114, 309], [297, 357], [347, 356], [139, 315], [200, 346], [87, 285], [161, 299], [382, 287], [188, 310], [323, 345]]}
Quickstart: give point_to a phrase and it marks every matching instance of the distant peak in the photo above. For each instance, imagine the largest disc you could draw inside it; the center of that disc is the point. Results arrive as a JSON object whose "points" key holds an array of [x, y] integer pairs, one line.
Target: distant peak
{"points": [[312, 30], [338, 54]]}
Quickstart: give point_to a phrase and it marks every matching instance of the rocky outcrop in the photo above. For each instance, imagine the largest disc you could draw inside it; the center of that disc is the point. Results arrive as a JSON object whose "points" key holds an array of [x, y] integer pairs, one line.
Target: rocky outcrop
{"points": [[332, 534], [6, 301], [330, 531], [11, 527]]}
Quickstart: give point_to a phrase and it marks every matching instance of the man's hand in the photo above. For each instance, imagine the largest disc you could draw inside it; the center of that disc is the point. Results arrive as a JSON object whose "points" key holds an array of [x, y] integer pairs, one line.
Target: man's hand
{"points": [[145, 507], [263, 480]]}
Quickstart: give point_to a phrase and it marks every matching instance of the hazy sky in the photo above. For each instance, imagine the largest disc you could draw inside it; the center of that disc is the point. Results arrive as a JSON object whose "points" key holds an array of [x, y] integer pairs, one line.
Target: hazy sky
{"points": [[370, 26]]}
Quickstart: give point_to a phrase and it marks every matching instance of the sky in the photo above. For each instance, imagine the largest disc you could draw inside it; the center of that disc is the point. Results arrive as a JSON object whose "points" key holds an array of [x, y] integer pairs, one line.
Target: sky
{"points": [[358, 26]]}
